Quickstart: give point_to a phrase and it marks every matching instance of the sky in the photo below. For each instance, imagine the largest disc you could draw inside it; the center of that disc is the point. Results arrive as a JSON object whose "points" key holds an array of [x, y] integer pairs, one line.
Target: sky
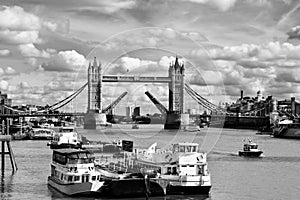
{"points": [[226, 45]]}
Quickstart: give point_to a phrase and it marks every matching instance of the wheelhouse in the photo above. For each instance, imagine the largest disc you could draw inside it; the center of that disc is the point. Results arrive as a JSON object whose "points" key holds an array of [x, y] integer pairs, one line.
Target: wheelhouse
{"points": [[185, 148], [72, 156]]}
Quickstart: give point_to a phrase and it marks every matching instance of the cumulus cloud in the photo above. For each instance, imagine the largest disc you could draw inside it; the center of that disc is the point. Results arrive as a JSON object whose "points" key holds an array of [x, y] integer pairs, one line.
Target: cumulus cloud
{"points": [[133, 65], [7, 71], [65, 61], [29, 50], [223, 5], [19, 37], [16, 18], [165, 61], [10, 70], [4, 52], [3, 84], [116, 5]]}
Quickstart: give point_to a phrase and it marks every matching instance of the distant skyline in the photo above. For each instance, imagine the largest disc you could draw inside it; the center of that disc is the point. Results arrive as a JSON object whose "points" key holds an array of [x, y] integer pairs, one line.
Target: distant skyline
{"points": [[226, 45]]}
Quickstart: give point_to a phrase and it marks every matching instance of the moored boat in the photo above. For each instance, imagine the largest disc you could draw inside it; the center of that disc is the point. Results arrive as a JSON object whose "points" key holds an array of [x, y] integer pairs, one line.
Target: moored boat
{"points": [[179, 170], [66, 137], [41, 134], [73, 173], [250, 149], [289, 129]]}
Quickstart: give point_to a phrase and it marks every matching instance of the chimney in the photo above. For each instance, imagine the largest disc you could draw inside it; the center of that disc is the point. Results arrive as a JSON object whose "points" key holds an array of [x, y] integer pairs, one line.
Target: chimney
{"points": [[242, 94]]}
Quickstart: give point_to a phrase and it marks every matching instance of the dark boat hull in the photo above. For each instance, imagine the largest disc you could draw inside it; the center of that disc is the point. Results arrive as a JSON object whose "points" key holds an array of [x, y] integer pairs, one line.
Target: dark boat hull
{"points": [[64, 146], [188, 190], [130, 188], [286, 132], [250, 153]]}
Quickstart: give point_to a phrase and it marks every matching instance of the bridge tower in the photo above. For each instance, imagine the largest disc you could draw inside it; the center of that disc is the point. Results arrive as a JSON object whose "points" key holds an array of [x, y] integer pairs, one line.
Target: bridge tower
{"points": [[176, 116], [94, 114]]}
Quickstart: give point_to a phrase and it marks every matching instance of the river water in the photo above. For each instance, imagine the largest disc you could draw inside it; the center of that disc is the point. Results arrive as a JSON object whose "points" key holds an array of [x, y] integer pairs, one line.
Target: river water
{"points": [[274, 176]]}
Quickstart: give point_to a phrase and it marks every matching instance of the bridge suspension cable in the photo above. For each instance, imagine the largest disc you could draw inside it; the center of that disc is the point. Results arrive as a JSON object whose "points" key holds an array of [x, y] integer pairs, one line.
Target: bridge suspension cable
{"points": [[66, 100], [202, 101]]}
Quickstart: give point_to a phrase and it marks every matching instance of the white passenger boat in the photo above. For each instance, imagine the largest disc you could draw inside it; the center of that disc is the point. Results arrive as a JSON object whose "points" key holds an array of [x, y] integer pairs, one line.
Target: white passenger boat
{"points": [[66, 137], [250, 149], [41, 134], [73, 173], [179, 170]]}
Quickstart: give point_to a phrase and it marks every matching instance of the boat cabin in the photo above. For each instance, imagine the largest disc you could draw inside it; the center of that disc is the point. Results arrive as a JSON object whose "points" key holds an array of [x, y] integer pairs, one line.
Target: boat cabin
{"points": [[72, 156], [185, 147], [73, 165], [250, 147], [66, 129]]}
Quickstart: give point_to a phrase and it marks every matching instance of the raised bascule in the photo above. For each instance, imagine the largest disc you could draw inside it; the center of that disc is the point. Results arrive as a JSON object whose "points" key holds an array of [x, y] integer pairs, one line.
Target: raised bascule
{"points": [[175, 116]]}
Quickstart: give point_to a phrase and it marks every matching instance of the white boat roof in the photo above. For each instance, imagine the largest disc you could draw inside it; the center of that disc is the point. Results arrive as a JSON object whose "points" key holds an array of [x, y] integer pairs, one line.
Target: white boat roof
{"points": [[187, 144]]}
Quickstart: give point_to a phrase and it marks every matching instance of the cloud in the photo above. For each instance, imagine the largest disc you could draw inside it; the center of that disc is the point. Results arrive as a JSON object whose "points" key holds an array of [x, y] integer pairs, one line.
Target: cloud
{"points": [[64, 61], [17, 19], [3, 84], [29, 50], [223, 5], [165, 61], [10, 70], [19, 37], [132, 65], [4, 52], [115, 5]]}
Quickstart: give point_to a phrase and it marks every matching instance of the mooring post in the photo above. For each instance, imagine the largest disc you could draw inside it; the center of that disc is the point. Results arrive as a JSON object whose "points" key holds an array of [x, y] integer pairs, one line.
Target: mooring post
{"points": [[2, 150], [5, 137]]}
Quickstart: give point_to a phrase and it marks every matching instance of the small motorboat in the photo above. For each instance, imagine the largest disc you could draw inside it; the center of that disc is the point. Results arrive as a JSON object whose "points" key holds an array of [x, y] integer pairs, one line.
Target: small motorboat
{"points": [[135, 126], [250, 149]]}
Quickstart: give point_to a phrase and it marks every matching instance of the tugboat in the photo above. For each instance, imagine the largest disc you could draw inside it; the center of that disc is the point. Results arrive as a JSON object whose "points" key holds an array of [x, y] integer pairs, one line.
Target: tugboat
{"points": [[73, 173], [250, 149]]}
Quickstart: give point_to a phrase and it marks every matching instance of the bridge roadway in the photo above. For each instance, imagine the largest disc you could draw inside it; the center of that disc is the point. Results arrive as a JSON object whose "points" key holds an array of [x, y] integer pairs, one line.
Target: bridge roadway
{"points": [[40, 115], [122, 78]]}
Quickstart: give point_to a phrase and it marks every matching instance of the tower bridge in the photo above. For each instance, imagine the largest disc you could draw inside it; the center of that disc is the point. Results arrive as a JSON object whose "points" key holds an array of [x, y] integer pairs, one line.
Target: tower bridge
{"points": [[96, 114], [176, 82]]}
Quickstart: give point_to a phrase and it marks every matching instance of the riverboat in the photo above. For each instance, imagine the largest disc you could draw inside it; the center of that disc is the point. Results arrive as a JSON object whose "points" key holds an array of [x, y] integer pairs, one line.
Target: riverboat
{"points": [[182, 169], [66, 137], [250, 149], [73, 173], [289, 129], [41, 134]]}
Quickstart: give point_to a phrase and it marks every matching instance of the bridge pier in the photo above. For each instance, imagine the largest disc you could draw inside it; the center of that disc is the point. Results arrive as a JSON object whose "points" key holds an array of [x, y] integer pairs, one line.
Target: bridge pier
{"points": [[93, 120]]}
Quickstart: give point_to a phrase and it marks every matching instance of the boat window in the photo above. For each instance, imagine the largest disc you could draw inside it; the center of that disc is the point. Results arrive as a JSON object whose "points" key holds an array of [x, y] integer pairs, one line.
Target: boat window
{"points": [[191, 166], [181, 149], [183, 165], [93, 178], [194, 149], [70, 178], [76, 178], [188, 149], [59, 158], [62, 177]]}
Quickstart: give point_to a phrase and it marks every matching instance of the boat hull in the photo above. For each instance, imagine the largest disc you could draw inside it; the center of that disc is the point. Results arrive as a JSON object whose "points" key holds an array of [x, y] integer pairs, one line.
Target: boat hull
{"points": [[63, 146], [286, 132], [250, 153], [130, 188], [188, 190], [73, 189]]}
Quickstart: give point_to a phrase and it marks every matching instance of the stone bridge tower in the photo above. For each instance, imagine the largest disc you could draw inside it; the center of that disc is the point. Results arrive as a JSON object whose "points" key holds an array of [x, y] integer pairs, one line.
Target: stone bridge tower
{"points": [[94, 115], [176, 116]]}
